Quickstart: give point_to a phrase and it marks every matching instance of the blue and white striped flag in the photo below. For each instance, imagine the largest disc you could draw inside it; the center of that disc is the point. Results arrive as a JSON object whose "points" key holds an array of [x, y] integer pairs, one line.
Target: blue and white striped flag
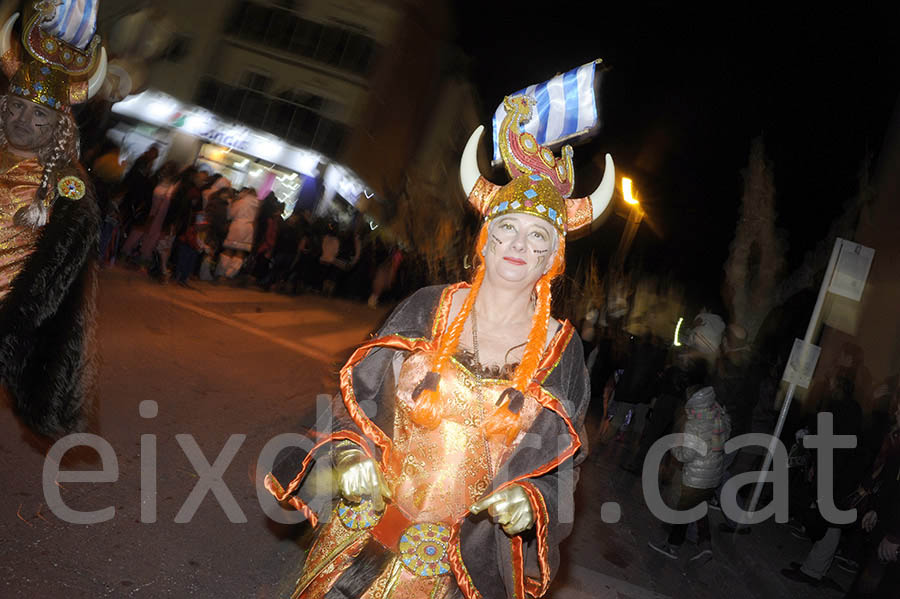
{"points": [[74, 22], [565, 107]]}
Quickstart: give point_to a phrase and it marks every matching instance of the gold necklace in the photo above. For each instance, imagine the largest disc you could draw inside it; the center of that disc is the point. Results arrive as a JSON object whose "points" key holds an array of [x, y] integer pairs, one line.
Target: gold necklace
{"points": [[475, 345], [480, 394], [475, 335]]}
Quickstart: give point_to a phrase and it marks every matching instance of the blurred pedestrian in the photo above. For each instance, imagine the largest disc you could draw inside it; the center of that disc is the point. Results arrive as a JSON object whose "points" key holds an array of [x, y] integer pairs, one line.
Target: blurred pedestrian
{"points": [[215, 183], [107, 173], [701, 451], [847, 464], [239, 242], [284, 253], [147, 234], [265, 234], [217, 214], [638, 383], [190, 245], [879, 572], [139, 184], [687, 370], [385, 275]]}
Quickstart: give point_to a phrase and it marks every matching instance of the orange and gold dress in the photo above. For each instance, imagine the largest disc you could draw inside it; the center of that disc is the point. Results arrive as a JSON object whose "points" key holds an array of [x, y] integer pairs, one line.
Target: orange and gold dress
{"points": [[435, 476], [19, 180], [423, 542]]}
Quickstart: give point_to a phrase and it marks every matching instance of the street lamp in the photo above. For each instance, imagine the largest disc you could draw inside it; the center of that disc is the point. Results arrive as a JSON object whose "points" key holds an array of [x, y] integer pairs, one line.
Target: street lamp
{"points": [[627, 192], [634, 220]]}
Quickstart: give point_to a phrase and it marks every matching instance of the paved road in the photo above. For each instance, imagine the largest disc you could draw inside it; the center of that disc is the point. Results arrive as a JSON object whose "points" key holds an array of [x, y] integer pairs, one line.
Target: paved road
{"points": [[220, 361]]}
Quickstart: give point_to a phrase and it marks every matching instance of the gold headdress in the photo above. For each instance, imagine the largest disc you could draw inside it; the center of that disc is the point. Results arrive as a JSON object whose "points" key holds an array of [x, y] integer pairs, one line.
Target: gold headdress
{"points": [[54, 72], [541, 182]]}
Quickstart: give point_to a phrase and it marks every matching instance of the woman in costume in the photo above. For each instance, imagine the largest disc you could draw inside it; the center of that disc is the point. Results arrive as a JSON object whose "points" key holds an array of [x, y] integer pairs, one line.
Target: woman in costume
{"points": [[459, 430]]}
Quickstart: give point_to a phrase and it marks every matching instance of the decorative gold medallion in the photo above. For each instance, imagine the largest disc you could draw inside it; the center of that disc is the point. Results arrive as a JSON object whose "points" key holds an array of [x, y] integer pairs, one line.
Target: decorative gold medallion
{"points": [[71, 187], [361, 516], [423, 549]]}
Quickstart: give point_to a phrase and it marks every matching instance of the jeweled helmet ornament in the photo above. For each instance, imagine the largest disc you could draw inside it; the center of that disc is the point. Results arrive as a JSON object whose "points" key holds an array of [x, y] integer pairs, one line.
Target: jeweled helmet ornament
{"points": [[54, 72], [541, 182]]}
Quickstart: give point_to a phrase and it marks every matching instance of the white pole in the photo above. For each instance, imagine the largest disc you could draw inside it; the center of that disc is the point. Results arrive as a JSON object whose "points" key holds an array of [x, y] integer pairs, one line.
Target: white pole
{"points": [[810, 329]]}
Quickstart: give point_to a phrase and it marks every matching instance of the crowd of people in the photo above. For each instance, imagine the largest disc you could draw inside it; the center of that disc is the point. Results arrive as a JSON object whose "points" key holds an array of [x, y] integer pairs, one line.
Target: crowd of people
{"points": [[181, 223], [715, 386]]}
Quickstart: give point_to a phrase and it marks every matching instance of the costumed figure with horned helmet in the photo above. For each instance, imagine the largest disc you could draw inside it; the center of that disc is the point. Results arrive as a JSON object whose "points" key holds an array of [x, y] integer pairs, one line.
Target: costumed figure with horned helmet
{"points": [[49, 219], [459, 428]]}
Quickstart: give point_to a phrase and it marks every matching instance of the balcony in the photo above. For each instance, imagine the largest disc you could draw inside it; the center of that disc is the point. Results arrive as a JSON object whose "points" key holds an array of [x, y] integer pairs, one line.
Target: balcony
{"points": [[286, 117]]}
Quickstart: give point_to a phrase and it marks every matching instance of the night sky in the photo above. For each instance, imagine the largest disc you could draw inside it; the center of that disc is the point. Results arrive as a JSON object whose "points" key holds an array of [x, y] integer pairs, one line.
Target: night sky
{"points": [[689, 88]]}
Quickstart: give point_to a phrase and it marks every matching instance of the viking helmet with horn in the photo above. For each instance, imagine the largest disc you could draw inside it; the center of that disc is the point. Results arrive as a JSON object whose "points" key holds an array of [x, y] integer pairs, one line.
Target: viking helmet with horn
{"points": [[541, 183], [64, 62]]}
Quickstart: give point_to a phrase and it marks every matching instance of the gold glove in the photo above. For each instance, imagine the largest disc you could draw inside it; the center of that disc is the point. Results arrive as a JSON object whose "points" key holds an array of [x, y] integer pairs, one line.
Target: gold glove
{"points": [[360, 476], [510, 507]]}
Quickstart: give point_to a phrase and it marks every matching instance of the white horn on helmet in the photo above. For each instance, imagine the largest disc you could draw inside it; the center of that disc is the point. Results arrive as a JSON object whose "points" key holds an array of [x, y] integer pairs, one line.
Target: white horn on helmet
{"points": [[99, 76], [6, 34], [468, 164], [604, 192]]}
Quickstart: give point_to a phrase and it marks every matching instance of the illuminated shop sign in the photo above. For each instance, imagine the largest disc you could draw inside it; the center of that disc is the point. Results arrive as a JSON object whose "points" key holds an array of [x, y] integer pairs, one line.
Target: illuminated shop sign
{"points": [[226, 138], [162, 110]]}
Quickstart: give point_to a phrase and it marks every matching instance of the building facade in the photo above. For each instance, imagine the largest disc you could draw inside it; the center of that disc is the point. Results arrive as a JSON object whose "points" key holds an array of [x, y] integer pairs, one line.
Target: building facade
{"points": [[262, 90]]}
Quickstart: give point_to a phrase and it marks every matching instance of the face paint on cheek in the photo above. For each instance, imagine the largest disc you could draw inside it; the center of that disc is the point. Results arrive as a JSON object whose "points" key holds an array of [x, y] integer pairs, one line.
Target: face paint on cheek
{"points": [[495, 242]]}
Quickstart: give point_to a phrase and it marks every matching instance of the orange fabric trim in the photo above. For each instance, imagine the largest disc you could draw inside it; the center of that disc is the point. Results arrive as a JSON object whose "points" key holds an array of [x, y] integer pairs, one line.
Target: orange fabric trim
{"points": [[518, 567], [554, 352], [359, 417], [280, 493], [301, 507], [551, 403], [542, 523], [273, 486], [460, 572]]}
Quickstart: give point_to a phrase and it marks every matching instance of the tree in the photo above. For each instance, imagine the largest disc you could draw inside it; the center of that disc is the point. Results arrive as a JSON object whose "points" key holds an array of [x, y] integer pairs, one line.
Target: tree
{"points": [[755, 259]]}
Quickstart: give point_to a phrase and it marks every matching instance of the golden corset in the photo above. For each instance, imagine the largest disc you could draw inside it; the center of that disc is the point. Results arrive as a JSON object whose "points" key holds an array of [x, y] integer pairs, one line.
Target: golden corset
{"points": [[19, 180], [437, 474]]}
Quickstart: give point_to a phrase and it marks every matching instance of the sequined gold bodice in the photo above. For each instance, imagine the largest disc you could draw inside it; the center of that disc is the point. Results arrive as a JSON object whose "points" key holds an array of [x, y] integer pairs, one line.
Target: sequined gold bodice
{"points": [[19, 180], [437, 474]]}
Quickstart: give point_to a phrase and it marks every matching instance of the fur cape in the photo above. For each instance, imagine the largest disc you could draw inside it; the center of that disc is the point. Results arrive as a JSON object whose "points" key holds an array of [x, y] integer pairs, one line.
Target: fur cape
{"points": [[47, 319]]}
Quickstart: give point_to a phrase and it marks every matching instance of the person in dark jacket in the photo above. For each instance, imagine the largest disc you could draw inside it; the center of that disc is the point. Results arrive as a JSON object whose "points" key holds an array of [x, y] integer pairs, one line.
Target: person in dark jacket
{"points": [[848, 462], [878, 575], [217, 214], [138, 184], [638, 383], [186, 201], [285, 251], [265, 235], [686, 371]]}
